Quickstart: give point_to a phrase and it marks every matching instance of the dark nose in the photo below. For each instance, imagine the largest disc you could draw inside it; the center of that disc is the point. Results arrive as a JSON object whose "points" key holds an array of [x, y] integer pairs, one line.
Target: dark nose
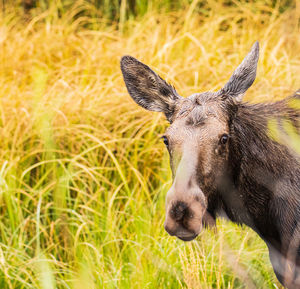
{"points": [[179, 211]]}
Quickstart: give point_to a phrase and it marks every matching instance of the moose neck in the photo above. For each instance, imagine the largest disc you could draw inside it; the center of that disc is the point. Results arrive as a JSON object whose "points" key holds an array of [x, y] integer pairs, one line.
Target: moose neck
{"points": [[264, 174]]}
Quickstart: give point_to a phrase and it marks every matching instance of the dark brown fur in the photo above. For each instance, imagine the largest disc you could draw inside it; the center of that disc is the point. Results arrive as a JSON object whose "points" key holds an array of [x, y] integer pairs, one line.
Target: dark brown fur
{"points": [[262, 188]]}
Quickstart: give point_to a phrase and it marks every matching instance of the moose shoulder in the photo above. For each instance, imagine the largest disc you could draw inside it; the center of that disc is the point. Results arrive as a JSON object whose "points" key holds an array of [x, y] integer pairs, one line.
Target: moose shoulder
{"points": [[225, 158]]}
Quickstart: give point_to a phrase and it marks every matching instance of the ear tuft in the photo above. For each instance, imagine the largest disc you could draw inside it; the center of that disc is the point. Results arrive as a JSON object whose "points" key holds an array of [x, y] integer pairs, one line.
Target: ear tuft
{"points": [[147, 88], [244, 76]]}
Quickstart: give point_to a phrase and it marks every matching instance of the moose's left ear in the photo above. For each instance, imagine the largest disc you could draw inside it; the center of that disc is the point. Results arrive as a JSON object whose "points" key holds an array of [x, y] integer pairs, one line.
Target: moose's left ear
{"points": [[243, 77]]}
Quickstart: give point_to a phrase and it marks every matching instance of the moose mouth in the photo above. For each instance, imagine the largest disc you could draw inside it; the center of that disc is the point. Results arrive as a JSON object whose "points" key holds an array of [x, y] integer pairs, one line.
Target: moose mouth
{"points": [[186, 238], [182, 234], [185, 235]]}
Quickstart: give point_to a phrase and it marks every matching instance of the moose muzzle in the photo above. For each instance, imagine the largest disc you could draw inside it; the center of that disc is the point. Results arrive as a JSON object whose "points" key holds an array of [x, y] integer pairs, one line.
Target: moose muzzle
{"points": [[184, 213]]}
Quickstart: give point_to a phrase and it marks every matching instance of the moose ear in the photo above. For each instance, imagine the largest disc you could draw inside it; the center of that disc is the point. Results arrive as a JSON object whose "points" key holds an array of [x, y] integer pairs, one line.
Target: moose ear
{"points": [[243, 77], [147, 88]]}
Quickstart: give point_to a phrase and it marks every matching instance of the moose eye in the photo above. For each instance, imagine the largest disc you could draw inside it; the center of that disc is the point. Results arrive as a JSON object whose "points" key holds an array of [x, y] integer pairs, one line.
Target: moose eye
{"points": [[224, 138], [165, 140]]}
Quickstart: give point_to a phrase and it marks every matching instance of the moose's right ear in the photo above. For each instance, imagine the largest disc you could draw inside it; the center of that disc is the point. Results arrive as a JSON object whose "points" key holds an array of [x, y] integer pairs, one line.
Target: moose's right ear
{"points": [[243, 77], [147, 88]]}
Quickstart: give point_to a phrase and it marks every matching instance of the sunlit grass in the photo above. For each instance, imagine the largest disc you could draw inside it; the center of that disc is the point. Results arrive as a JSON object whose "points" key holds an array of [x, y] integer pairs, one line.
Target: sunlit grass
{"points": [[83, 172]]}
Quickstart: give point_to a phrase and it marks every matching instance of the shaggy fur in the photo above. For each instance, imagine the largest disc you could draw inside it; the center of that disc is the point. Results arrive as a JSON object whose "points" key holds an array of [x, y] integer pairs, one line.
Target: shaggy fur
{"points": [[262, 188]]}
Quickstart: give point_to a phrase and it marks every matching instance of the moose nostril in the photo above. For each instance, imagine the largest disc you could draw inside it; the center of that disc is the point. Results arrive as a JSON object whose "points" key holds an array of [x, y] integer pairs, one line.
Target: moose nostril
{"points": [[178, 211]]}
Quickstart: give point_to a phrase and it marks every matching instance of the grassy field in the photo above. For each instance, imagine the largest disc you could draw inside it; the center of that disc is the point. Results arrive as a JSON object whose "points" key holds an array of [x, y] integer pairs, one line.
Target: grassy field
{"points": [[83, 172]]}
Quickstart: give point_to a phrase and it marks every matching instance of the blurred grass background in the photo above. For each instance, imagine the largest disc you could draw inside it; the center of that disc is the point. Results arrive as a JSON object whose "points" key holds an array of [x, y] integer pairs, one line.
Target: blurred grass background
{"points": [[83, 173]]}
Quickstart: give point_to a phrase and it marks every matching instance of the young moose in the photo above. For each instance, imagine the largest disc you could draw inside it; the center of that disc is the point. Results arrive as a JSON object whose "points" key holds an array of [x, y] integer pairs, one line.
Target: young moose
{"points": [[224, 159]]}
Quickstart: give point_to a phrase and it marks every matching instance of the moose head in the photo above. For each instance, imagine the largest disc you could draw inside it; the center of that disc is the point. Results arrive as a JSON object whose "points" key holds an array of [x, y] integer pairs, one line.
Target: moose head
{"points": [[197, 139]]}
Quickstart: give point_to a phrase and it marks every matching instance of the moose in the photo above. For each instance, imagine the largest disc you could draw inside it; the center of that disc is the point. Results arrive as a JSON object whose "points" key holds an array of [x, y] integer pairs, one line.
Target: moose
{"points": [[225, 159]]}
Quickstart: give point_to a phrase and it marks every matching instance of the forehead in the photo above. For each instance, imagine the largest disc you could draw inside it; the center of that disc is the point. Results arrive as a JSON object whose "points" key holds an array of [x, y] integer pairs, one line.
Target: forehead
{"points": [[199, 109]]}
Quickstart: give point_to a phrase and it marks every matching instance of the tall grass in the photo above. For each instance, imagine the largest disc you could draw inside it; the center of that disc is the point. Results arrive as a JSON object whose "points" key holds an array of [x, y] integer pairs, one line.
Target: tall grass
{"points": [[83, 172], [119, 10]]}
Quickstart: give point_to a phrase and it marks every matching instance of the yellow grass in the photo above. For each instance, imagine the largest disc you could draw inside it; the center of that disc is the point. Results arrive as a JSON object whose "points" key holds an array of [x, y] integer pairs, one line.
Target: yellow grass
{"points": [[83, 172]]}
